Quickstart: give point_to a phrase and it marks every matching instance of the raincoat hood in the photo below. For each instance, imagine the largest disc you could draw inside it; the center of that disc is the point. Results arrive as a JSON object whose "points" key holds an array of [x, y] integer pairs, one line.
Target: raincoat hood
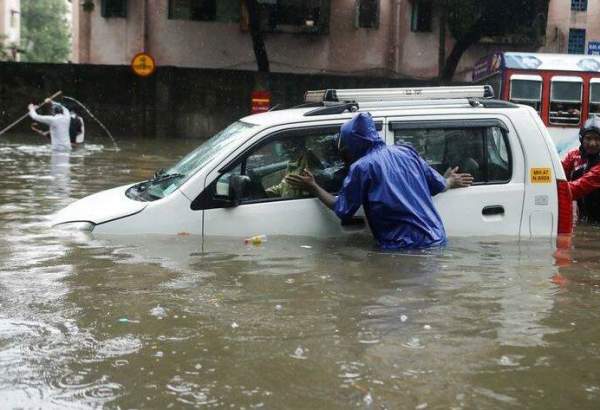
{"points": [[359, 136]]}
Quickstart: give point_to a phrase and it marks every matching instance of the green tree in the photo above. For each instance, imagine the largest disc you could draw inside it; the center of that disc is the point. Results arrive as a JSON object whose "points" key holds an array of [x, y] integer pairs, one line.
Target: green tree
{"points": [[3, 52], [469, 21], [45, 34]]}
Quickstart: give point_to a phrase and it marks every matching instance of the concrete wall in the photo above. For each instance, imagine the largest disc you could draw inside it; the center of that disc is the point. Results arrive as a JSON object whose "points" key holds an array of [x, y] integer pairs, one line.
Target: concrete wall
{"points": [[561, 18], [173, 103]]}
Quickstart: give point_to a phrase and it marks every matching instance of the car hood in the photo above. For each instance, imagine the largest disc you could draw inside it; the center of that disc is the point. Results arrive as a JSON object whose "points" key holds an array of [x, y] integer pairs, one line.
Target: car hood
{"points": [[101, 207]]}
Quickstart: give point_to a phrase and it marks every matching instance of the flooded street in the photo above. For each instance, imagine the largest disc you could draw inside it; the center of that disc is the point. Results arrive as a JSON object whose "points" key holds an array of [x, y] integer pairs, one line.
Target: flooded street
{"points": [[164, 322]]}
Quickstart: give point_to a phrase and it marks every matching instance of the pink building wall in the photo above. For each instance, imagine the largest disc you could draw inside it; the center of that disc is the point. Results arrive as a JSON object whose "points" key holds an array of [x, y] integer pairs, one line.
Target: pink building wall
{"points": [[10, 24], [390, 50], [561, 18]]}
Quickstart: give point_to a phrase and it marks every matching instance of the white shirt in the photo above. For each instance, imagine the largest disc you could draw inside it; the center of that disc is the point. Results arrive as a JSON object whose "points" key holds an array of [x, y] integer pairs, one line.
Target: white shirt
{"points": [[59, 128]]}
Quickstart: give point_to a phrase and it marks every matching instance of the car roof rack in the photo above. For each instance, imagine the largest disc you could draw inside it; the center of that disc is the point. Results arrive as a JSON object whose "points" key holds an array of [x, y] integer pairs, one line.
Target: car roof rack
{"points": [[337, 101], [391, 95], [331, 109]]}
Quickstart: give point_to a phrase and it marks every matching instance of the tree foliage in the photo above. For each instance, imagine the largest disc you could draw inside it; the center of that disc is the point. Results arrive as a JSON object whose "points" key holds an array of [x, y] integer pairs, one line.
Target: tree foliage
{"points": [[469, 21], [3, 51], [45, 33]]}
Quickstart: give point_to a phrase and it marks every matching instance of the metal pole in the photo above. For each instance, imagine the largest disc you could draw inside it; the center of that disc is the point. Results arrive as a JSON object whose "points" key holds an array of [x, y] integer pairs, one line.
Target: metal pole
{"points": [[53, 96]]}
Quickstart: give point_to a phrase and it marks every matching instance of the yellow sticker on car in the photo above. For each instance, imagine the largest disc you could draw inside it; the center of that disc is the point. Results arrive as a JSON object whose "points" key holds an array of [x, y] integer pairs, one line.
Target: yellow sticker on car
{"points": [[540, 175]]}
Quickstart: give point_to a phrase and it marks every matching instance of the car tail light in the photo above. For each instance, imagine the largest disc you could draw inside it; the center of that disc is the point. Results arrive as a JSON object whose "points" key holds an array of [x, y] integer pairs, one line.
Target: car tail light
{"points": [[565, 208]]}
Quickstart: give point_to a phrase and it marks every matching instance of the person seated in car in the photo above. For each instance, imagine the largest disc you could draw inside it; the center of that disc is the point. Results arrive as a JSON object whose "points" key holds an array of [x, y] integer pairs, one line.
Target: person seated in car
{"points": [[303, 158], [582, 167]]}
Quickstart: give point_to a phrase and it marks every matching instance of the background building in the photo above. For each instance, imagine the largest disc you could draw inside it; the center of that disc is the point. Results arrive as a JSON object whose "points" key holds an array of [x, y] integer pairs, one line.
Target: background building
{"points": [[10, 28], [573, 27], [393, 38]]}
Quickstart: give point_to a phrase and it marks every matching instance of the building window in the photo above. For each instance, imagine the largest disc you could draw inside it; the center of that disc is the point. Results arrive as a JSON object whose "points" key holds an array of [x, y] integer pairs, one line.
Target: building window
{"points": [[576, 41], [421, 15], [579, 5], [14, 18], [294, 16], [204, 10], [114, 8], [367, 13]]}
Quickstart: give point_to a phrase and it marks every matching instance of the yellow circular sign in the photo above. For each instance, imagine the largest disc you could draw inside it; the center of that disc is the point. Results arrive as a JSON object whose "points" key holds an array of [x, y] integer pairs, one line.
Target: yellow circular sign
{"points": [[143, 64]]}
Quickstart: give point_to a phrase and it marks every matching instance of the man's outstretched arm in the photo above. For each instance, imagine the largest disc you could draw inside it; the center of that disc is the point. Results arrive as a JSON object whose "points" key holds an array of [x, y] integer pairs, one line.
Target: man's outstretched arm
{"points": [[457, 180], [306, 181]]}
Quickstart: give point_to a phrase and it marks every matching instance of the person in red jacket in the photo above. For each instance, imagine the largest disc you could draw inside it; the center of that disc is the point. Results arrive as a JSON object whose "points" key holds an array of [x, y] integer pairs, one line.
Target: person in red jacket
{"points": [[582, 167]]}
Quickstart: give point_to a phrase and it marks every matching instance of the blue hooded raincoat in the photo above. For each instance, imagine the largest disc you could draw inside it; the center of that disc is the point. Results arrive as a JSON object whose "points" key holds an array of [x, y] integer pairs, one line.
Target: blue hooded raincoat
{"points": [[393, 184]]}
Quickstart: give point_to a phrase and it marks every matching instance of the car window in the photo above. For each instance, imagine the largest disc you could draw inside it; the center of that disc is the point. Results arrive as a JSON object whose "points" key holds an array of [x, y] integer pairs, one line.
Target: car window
{"points": [[171, 179], [480, 151], [267, 165]]}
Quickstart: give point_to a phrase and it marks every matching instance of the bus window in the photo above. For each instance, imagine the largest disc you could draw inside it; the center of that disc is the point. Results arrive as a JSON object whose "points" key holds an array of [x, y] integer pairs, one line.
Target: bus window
{"points": [[565, 100], [595, 96], [526, 89]]}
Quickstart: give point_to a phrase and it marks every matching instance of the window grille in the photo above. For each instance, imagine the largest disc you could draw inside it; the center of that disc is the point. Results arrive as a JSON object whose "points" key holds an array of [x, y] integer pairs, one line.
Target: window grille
{"points": [[576, 41], [114, 8], [203, 10], [421, 15], [579, 5], [367, 12]]}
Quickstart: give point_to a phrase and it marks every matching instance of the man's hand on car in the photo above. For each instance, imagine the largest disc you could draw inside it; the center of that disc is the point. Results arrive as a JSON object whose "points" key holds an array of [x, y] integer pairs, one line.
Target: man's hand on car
{"points": [[304, 181], [457, 180]]}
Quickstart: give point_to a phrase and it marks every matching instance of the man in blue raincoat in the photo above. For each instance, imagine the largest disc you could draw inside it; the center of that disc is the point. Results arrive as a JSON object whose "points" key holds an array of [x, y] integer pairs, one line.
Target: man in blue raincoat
{"points": [[393, 184]]}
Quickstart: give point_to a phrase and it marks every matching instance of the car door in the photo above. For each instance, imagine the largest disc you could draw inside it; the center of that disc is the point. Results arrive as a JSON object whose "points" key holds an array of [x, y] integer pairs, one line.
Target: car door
{"points": [[488, 149], [268, 204]]}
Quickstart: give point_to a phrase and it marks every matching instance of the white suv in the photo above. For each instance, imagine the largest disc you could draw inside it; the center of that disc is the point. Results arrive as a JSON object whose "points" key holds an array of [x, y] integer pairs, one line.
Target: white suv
{"points": [[229, 185]]}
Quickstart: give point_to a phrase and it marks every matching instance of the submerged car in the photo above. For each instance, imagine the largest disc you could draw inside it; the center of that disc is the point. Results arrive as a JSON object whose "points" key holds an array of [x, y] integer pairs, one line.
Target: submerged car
{"points": [[231, 185]]}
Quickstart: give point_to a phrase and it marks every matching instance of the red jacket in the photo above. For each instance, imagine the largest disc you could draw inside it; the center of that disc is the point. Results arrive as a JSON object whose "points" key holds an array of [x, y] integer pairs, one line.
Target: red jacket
{"points": [[581, 182]]}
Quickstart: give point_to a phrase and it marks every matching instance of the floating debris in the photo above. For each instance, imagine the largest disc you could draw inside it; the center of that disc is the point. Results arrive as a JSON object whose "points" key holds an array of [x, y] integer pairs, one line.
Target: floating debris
{"points": [[299, 353], [158, 311], [126, 320]]}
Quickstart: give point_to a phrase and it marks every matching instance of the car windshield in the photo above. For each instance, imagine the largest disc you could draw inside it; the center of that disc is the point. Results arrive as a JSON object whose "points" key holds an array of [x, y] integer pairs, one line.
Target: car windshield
{"points": [[165, 182]]}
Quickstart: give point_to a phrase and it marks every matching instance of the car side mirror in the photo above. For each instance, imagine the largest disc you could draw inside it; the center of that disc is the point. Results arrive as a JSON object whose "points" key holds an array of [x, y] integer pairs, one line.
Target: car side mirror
{"points": [[238, 186]]}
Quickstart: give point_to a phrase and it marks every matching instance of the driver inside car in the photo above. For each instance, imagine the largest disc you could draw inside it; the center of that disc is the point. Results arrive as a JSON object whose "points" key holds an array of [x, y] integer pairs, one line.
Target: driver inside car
{"points": [[301, 157]]}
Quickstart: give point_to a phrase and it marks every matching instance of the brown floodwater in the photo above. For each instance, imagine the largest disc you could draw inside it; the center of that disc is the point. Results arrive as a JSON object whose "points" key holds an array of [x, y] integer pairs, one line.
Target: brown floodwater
{"points": [[164, 322]]}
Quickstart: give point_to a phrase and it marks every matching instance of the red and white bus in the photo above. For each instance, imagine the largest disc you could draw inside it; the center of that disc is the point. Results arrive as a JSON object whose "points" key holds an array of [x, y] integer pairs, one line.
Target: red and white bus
{"points": [[563, 88]]}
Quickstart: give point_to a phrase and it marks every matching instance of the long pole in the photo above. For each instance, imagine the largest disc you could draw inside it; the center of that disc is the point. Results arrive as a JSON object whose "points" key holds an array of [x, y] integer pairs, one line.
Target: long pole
{"points": [[53, 96]]}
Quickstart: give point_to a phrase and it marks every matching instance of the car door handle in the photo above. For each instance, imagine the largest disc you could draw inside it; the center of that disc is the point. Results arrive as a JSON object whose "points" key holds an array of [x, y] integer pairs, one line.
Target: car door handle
{"points": [[493, 210]]}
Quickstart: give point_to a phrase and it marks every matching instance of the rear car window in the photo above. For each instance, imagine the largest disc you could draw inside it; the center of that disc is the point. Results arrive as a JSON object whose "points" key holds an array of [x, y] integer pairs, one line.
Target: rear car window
{"points": [[481, 151]]}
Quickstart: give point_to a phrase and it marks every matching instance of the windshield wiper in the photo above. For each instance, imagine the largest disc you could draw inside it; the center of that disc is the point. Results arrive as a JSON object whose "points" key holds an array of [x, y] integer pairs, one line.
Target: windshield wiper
{"points": [[164, 177], [158, 177]]}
